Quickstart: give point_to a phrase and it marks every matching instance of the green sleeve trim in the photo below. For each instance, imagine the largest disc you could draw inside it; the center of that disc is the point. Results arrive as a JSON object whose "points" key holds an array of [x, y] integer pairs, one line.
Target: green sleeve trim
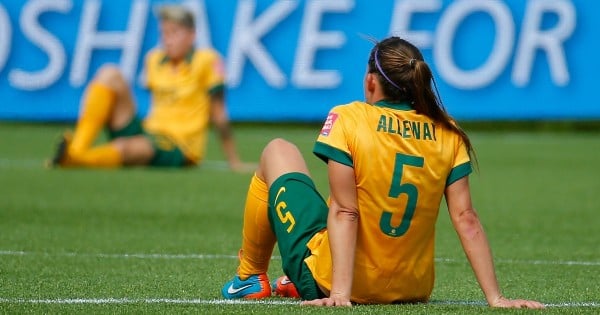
{"points": [[326, 152], [216, 89], [459, 172]]}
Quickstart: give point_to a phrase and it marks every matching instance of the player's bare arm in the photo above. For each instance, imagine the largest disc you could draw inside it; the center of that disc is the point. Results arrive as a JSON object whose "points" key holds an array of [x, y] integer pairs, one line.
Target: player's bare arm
{"points": [[476, 246], [220, 120], [342, 224]]}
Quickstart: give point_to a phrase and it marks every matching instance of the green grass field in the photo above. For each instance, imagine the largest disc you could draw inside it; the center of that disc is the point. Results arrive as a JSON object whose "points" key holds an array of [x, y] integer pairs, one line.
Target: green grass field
{"points": [[164, 241]]}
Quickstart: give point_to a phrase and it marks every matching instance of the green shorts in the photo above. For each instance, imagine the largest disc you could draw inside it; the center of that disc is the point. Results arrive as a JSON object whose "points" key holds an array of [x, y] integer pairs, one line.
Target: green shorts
{"points": [[297, 212], [166, 152]]}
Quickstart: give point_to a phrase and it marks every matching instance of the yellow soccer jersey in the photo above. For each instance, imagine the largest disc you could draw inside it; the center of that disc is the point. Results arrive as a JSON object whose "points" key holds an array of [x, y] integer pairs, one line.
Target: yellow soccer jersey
{"points": [[180, 106], [403, 162]]}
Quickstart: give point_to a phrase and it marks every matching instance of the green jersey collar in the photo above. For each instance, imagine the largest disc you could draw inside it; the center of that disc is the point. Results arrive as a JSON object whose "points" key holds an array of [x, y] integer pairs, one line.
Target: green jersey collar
{"points": [[394, 105], [188, 57]]}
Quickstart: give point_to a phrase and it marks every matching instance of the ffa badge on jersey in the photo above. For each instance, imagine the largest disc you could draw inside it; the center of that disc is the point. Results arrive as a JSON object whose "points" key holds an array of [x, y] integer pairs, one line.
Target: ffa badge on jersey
{"points": [[328, 125]]}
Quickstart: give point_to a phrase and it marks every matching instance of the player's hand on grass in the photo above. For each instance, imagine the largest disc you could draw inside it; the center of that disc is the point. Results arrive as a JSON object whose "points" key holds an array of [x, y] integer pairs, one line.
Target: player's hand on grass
{"points": [[503, 302], [330, 301]]}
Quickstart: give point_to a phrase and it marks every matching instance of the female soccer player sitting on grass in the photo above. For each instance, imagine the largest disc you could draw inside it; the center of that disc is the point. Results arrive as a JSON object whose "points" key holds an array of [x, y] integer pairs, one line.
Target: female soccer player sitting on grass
{"points": [[390, 161], [187, 87]]}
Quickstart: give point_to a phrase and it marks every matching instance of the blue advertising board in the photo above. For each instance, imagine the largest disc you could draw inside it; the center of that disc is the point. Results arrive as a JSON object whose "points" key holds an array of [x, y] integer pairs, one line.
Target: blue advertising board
{"points": [[292, 60]]}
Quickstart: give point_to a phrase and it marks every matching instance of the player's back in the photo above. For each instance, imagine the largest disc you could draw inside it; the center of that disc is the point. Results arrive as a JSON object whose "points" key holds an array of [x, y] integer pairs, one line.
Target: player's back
{"points": [[402, 162]]}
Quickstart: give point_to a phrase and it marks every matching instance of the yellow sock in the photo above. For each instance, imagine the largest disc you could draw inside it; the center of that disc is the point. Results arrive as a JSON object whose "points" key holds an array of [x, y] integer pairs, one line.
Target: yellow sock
{"points": [[103, 156], [258, 239], [96, 108]]}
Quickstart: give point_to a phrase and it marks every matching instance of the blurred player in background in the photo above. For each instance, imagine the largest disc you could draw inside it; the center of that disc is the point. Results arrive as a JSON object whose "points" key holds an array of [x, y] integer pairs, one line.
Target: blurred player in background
{"points": [[390, 161], [187, 87]]}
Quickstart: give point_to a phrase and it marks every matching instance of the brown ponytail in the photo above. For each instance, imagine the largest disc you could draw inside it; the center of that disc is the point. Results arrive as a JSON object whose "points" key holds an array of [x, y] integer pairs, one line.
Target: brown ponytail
{"points": [[406, 77]]}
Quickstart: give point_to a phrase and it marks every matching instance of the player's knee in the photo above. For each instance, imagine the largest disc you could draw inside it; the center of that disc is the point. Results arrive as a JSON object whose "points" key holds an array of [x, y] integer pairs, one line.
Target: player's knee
{"points": [[111, 76], [281, 156], [279, 142], [279, 146], [278, 158]]}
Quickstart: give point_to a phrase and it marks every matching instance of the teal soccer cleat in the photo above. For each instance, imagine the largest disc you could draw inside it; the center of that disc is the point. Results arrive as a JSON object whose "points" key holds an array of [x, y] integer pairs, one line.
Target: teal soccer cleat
{"points": [[255, 287]]}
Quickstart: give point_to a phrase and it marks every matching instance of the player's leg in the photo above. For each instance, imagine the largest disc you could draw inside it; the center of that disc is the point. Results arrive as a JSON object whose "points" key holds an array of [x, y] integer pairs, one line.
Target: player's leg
{"points": [[108, 102], [135, 150], [140, 148], [278, 158], [297, 212], [258, 242]]}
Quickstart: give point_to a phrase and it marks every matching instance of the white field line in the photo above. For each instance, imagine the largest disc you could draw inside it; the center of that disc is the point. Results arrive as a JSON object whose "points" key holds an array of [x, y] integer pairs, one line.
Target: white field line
{"points": [[103, 301], [215, 256], [146, 301]]}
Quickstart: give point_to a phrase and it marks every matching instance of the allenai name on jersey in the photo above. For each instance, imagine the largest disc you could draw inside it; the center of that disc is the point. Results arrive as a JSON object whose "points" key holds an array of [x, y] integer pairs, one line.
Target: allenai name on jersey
{"points": [[408, 129]]}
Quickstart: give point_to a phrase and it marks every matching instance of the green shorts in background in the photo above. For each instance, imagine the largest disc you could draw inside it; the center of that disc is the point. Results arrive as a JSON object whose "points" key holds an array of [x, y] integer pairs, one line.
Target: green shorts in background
{"points": [[166, 151], [297, 212]]}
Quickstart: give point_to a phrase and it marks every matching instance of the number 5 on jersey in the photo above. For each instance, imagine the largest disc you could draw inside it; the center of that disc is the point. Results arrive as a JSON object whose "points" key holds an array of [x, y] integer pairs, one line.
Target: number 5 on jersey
{"points": [[396, 189]]}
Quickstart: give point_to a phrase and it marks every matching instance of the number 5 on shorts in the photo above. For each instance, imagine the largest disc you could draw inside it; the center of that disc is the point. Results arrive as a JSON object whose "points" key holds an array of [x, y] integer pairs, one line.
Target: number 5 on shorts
{"points": [[286, 216]]}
